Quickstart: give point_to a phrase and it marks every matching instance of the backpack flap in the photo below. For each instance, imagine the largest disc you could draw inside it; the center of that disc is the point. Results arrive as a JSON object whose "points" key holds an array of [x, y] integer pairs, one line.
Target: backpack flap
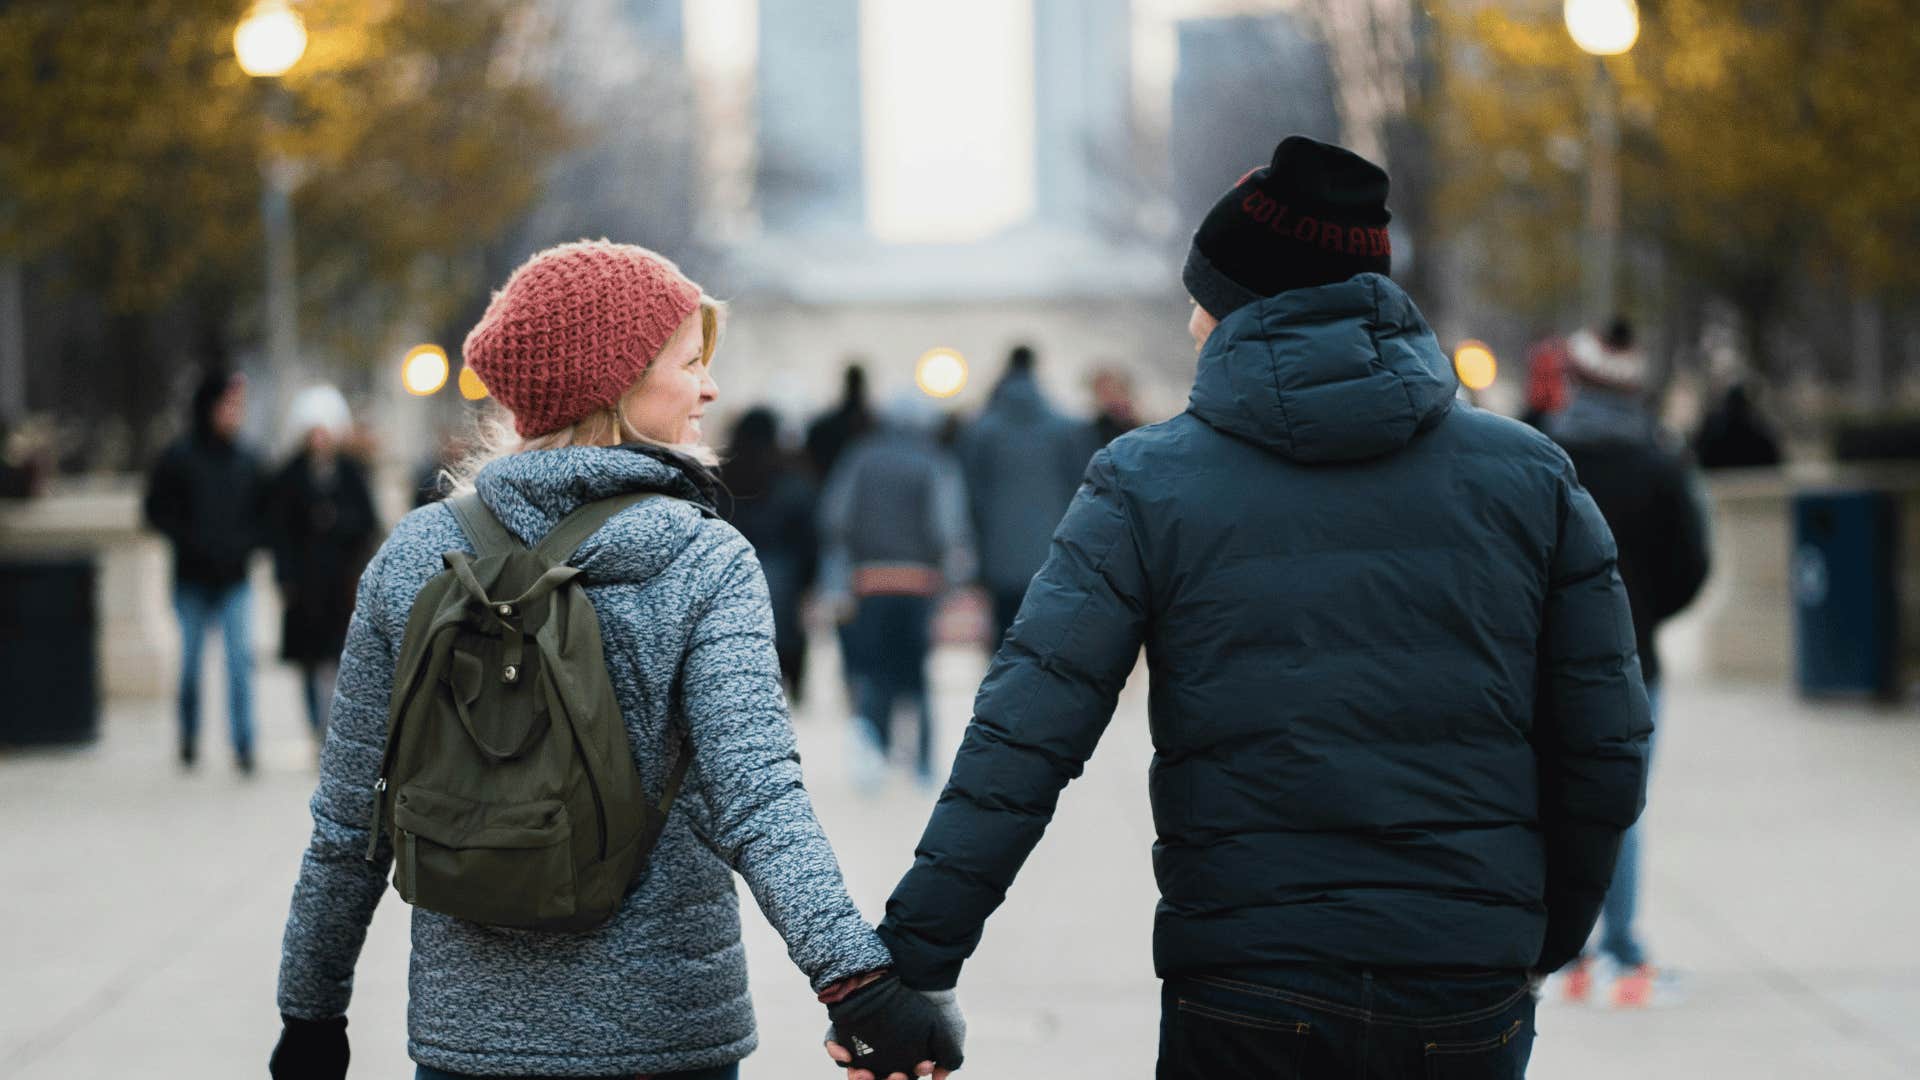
{"points": [[501, 734]]}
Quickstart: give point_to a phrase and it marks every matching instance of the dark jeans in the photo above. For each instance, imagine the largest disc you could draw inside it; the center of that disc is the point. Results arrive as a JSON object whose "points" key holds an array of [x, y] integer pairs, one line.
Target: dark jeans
{"points": [[718, 1072], [891, 636], [1323, 1024]]}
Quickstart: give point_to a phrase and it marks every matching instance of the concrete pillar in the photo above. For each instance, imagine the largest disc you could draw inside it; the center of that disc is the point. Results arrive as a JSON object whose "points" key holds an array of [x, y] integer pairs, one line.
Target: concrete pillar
{"points": [[1082, 56], [811, 170], [13, 341]]}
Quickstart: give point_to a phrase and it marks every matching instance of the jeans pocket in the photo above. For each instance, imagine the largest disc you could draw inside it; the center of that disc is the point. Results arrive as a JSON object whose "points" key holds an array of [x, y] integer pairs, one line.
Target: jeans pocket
{"points": [[1204, 1041], [1500, 1054]]}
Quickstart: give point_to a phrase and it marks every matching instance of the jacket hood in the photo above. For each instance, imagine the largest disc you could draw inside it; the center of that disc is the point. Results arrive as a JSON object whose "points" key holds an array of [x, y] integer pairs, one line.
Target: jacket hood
{"points": [[530, 492], [1018, 396], [1334, 373]]}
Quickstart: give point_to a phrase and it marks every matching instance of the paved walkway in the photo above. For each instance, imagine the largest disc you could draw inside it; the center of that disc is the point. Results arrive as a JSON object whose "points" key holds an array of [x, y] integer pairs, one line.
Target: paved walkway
{"points": [[141, 910]]}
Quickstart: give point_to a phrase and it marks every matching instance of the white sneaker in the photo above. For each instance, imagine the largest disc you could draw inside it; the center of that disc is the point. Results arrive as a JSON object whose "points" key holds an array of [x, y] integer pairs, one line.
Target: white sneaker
{"points": [[866, 765]]}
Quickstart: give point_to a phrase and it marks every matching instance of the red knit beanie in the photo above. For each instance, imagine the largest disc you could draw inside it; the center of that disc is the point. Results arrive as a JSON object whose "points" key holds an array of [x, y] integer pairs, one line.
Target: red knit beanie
{"points": [[573, 329]]}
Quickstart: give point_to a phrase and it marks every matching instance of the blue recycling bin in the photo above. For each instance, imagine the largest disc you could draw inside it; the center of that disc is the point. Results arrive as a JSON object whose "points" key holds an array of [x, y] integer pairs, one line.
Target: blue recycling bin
{"points": [[1845, 583]]}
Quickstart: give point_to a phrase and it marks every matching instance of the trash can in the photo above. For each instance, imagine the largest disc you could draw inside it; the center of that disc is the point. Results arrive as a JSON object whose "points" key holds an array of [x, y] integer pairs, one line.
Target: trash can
{"points": [[48, 684], [1846, 605]]}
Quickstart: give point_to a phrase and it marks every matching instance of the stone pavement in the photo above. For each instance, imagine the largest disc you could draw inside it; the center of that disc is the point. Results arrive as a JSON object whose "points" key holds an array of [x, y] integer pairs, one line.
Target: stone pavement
{"points": [[141, 910]]}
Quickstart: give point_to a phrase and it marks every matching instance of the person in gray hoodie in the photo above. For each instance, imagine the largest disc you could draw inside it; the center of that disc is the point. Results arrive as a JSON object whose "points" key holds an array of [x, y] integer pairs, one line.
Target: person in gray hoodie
{"points": [[600, 352], [893, 540]]}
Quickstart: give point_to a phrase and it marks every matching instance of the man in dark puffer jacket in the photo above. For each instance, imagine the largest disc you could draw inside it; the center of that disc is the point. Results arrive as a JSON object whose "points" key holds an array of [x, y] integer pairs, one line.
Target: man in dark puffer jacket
{"points": [[1398, 717]]}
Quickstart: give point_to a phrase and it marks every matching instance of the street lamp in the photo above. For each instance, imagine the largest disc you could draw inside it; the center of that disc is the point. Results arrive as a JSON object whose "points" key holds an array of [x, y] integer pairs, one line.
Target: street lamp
{"points": [[267, 43], [1602, 28], [270, 40]]}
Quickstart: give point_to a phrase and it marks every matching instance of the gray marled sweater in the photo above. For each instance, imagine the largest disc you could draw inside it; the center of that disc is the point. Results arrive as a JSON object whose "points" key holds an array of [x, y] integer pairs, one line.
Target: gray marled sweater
{"points": [[689, 639]]}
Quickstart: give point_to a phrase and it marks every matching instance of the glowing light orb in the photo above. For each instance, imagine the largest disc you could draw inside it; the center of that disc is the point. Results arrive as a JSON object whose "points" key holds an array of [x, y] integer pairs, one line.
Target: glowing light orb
{"points": [[1475, 364], [270, 40], [471, 387], [1603, 27], [424, 370], [941, 373]]}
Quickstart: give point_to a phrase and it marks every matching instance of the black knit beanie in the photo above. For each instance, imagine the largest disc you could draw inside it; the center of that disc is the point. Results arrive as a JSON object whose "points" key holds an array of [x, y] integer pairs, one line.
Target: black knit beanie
{"points": [[1315, 216]]}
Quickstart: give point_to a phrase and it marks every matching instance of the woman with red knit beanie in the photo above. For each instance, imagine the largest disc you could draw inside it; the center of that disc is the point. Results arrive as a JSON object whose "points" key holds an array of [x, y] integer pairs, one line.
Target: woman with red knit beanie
{"points": [[601, 355]]}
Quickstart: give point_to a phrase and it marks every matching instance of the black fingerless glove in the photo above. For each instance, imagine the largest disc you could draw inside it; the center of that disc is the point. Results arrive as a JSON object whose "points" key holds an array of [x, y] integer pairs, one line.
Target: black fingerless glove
{"points": [[310, 1050], [888, 1028]]}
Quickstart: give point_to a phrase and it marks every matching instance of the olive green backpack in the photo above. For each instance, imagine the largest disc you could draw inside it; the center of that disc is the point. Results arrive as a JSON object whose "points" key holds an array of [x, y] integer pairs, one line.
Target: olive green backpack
{"points": [[507, 782]]}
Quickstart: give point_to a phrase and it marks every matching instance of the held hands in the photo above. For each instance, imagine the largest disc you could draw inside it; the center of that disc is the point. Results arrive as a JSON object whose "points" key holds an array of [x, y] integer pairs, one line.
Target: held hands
{"points": [[310, 1050], [886, 1031]]}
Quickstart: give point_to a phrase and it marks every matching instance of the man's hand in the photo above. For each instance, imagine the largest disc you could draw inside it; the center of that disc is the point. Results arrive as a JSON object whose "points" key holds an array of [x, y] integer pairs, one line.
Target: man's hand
{"points": [[310, 1050], [886, 1026]]}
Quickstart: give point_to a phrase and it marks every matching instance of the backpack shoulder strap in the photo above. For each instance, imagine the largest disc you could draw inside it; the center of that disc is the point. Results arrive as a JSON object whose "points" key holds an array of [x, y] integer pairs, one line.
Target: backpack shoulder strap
{"points": [[564, 539], [488, 535]]}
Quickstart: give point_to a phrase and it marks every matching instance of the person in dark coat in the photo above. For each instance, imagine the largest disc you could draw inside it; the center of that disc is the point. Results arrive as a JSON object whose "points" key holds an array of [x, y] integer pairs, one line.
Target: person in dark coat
{"points": [[772, 503], [1397, 714], [1735, 436], [1647, 490], [830, 434], [324, 529], [207, 496], [1022, 461]]}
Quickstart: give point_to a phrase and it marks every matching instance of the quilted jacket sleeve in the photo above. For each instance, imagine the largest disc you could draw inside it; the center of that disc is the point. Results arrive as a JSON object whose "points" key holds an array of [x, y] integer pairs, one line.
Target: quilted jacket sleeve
{"points": [[1044, 704], [1591, 724], [338, 889], [760, 818]]}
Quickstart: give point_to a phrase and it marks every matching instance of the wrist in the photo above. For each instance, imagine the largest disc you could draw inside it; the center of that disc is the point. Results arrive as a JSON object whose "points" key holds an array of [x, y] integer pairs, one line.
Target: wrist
{"points": [[840, 991]]}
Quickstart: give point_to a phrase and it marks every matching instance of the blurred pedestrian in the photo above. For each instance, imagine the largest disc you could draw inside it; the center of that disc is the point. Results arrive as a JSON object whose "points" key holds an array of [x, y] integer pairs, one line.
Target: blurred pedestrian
{"points": [[1655, 505], [1022, 461], [207, 496], [1734, 435], [831, 433], [430, 475], [1114, 411], [323, 528], [600, 352], [1547, 391], [773, 504], [893, 530], [1398, 726]]}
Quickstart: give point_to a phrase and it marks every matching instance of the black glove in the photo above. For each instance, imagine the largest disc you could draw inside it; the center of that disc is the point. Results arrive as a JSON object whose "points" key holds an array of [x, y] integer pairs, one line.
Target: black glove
{"points": [[891, 1029], [310, 1049]]}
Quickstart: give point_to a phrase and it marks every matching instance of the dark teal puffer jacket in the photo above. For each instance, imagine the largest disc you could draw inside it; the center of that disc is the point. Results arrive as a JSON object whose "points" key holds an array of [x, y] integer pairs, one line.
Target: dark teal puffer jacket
{"points": [[1397, 715]]}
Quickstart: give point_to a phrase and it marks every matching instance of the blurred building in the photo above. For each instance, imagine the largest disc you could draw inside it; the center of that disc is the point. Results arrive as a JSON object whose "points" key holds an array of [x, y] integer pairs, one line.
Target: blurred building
{"points": [[811, 170], [619, 68], [1244, 83], [1070, 274]]}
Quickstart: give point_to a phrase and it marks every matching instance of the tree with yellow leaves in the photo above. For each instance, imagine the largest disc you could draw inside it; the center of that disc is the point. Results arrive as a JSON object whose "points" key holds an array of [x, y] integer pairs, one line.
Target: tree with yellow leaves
{"points": [[1766, 144], [131, 152]]}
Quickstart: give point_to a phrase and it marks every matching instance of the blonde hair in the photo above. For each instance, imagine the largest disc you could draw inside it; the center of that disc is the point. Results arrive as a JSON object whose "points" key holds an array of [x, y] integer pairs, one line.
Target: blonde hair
{"points": [[494, 437]]}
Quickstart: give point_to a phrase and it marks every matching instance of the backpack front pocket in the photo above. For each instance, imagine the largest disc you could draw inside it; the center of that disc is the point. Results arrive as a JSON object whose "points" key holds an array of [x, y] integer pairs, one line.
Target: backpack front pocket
{"points": [[503, 864]]}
